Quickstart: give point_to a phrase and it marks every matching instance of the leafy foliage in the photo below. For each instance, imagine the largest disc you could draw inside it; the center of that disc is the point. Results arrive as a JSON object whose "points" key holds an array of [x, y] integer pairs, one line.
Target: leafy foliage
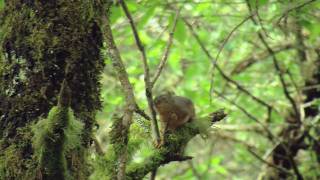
{"points": [[224, 155]]}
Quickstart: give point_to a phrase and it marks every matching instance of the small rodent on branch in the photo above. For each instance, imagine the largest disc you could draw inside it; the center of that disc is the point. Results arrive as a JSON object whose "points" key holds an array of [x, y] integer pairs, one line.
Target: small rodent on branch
{"points": [[174, 111]]}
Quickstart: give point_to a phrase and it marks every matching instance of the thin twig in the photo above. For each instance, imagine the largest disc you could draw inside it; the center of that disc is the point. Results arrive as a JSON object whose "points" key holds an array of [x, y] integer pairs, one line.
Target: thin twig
{"points": [[254, 58], [141, 112], [250, 148], [270, 134], [228, 136], [162, 64], [158, 37], [240, 87], [276, 65], [288, 96], [210, 152], [279, 168], [281, 76], [239, 127], [147, 81], [260, 19], [227, 39], [167, 50], [214, 61], [294, 8], [286, 92]]}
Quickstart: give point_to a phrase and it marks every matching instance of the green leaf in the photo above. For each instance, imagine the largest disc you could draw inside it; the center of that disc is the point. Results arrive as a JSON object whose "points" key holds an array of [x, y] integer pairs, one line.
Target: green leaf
{"points": [[260, 2], [116, 13], [1, 4], [180, 33], [144, 20]]}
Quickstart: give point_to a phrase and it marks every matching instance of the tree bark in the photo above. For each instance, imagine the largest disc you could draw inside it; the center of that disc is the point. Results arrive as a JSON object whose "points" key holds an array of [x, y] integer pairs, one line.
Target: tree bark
{"points": [[38, 39]]}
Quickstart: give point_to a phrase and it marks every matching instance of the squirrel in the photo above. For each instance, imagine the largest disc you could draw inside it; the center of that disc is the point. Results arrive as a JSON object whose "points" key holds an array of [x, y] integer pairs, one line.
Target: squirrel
{"points": [[174, 111]]}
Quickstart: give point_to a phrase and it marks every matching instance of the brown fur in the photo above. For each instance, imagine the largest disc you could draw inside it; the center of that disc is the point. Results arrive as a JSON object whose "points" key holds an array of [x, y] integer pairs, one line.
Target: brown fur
{"points": [[174, 111]]}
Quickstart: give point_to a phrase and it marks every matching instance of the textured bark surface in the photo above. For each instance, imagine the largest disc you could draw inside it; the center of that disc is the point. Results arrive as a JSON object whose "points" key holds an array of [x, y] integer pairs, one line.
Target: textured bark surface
{"points": [[38, 38]]}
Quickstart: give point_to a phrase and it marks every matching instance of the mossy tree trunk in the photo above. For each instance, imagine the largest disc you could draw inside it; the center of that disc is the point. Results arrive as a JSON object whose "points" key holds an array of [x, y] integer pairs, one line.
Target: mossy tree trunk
{"points": [[38, 38]]}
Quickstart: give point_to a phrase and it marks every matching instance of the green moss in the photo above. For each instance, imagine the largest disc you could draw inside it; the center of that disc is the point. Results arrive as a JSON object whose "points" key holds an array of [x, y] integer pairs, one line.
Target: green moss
{"points": [[54, 137], [49, 144], [174, 145], [13, 162], [106, 166]]}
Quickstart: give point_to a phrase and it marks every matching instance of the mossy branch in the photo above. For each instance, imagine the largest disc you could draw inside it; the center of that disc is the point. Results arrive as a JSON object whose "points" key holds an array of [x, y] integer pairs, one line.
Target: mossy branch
{"points": [[174, 145], [122, 74]]}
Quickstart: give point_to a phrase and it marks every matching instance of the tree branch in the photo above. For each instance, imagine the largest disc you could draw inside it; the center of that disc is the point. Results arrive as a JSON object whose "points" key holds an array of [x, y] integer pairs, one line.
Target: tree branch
{"points": [[277, 67], [240, 87], [294, 8], [167, 50], [172, 149], [267, 130], [141, 112], [130, 105], [147, 81], [252, 59], [287, 94]]}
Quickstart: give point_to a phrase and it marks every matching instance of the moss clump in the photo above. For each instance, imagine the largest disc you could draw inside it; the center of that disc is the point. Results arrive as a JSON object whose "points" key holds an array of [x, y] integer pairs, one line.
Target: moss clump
{"points": [[173, 148], [54, 137], [106, 166], [10, 160]]}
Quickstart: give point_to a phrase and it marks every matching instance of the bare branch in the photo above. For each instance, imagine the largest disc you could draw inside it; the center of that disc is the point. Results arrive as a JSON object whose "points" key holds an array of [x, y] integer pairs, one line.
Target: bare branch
{"points": [[167, 50], [250, 148], [227, 39], [277, 66], [153, 174], [268, 163], [130, 105], [147, 81], [249, 61], [269, 133], [240, 127], [228, 136], [281, 76], [241, 88], [141, 112], [260, 19], [287, 94], [294, 8]]}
